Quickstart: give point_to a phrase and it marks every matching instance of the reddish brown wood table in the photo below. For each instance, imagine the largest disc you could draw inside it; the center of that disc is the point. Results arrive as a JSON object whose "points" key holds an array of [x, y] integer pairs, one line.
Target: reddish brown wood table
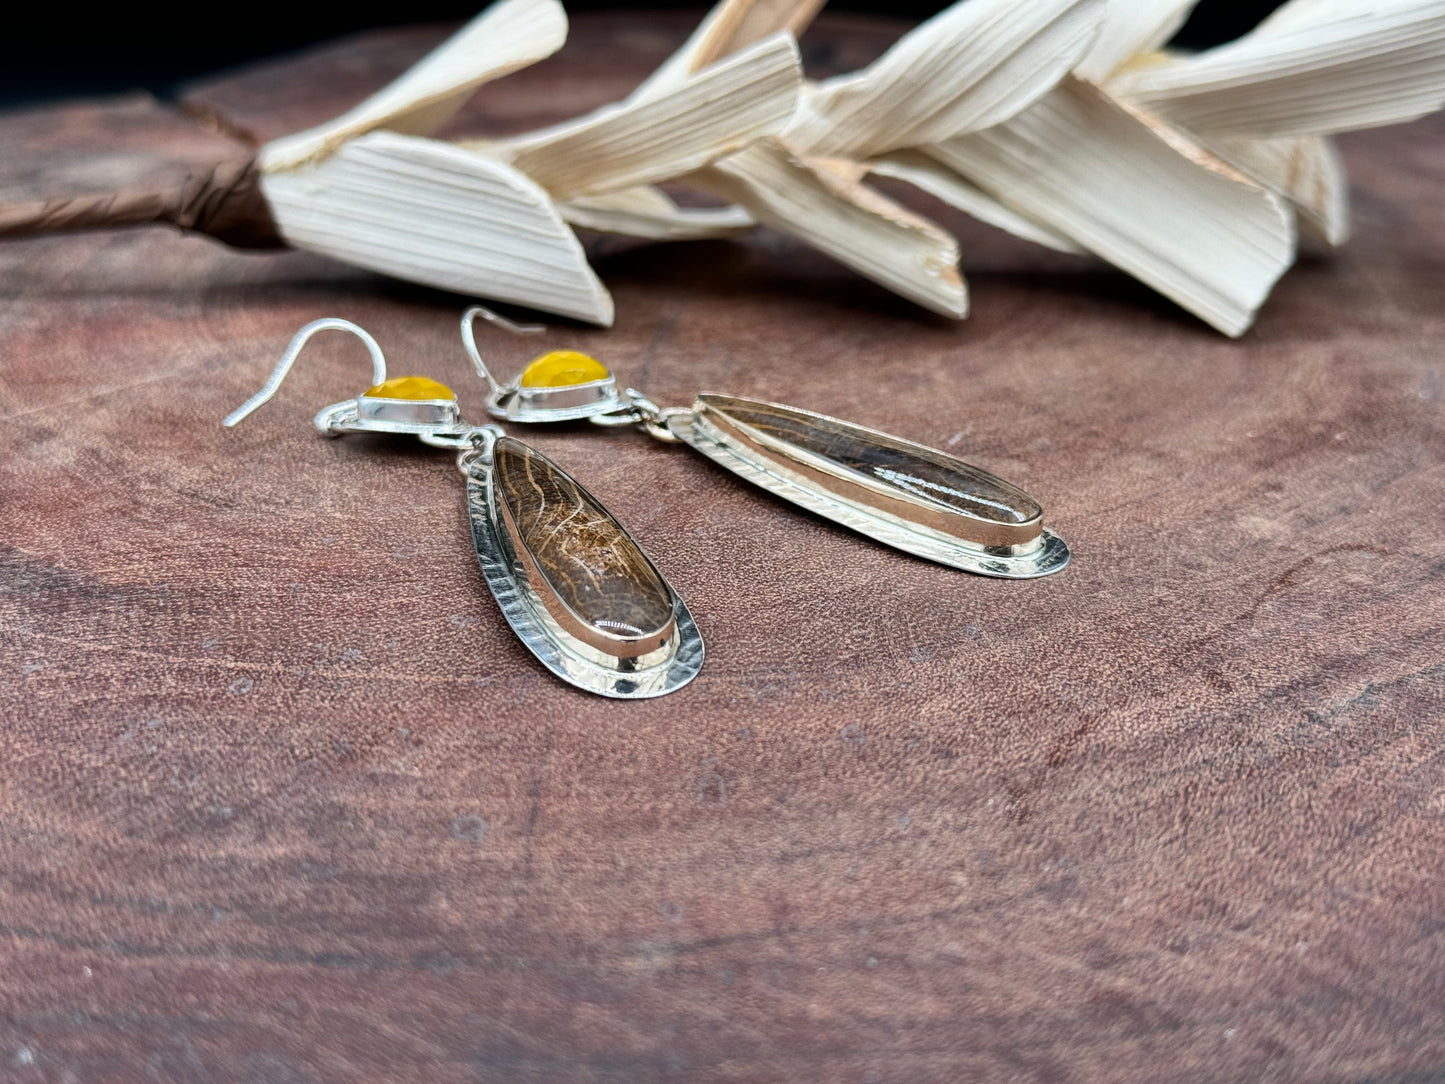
{"points": [[283, 799]]}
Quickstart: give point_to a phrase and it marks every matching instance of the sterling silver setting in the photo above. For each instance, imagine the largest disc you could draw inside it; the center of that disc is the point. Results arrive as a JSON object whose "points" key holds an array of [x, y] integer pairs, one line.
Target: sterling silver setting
{"points": [[384, 415], [570, 403], [647, 665], [1042, 556], [374, 414], [656, 674], [914, 498], [515, 403]]}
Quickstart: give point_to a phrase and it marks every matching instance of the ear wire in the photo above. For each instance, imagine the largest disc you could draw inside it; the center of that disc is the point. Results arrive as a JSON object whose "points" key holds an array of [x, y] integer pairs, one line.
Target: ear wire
{"points": [[378, 363], [469, 339]]}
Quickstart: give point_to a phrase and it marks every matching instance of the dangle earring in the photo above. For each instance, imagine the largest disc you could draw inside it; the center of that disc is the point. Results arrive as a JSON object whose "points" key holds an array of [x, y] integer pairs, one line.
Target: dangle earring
{"points": [[906, 495], [569, 579]]}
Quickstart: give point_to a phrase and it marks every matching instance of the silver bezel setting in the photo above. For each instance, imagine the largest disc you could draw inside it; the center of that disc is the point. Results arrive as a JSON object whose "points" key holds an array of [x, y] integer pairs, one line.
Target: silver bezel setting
{"points": [[1043, 556], [568, 402], [375, 414], [415, 415], [559, 651]]}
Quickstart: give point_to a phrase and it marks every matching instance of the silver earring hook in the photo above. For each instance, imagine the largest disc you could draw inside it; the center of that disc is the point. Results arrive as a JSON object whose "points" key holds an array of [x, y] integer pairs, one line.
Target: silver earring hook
{"points": [[378, 363], [469, 339]]}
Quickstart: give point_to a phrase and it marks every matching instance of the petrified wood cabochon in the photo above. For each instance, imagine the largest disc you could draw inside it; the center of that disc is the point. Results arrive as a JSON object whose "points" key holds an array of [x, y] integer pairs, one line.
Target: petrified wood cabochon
{"points": [[583, 565], [282, 797], [878, 470]]}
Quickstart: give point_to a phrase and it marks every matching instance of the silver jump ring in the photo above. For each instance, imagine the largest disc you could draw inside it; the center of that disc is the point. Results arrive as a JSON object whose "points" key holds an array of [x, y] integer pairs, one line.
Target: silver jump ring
{"points": [[658, 427], [477, 450], [447, 438], [646, 415]]}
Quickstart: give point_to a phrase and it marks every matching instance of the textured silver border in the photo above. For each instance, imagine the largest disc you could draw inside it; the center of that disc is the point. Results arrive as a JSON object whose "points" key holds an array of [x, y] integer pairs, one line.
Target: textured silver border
{"points": [[1045, 556], [557, 649], [571, 402], [384, 414], [430, 416]]}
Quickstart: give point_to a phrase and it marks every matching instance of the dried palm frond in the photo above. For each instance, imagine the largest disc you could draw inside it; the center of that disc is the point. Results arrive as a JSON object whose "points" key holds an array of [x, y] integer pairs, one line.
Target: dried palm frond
{"points": [[650, 214], [825, 204], [1168, 213], [508, 36], [425, 211], [974, 64], [374, 189], [1270, 102], [1179, 170], [932, 176], [1064, 122], [1082, 169], [713, 112], [1259, 110], [1315, 67], [483, 217]]}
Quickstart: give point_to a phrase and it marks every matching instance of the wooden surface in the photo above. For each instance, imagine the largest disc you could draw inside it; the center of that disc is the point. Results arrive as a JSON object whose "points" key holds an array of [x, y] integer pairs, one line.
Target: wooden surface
{"points": [[282, 799]]}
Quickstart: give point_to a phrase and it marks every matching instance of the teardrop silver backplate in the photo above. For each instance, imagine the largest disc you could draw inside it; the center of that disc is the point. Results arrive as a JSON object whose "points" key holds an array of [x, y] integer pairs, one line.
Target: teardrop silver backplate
{"points": [[573, 584], [909, 496]]}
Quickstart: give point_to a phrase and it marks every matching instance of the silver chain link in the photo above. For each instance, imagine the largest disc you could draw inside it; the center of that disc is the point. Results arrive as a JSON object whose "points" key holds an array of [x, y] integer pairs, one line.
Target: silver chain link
{"points": [[474, 444], [645, 415]]}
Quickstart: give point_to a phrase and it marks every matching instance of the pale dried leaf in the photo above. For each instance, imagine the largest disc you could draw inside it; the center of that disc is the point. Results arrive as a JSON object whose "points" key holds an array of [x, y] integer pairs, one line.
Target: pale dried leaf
{"points": [[507, 36], [1202, 235], [719, 110], [1296, 14], [827, 207], [1131, 27], [974, 65], [652, 215], [1304, 169], [425, 211], [939, 181], [729, 27], [1371, 64]]}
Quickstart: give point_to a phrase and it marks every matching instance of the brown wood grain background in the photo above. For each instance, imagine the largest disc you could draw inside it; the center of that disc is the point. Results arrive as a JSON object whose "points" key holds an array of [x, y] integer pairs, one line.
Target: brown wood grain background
{"points": [[282, 798]]}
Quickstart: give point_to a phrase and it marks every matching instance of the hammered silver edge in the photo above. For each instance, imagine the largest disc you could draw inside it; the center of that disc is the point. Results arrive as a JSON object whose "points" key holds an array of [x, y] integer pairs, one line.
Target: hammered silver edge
{"points": [[694, 430], [547, 640]]}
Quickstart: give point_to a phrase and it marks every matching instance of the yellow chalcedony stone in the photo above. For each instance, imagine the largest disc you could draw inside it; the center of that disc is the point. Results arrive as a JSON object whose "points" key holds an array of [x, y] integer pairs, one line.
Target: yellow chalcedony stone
{"points": [[563, 368], [411, 387]]}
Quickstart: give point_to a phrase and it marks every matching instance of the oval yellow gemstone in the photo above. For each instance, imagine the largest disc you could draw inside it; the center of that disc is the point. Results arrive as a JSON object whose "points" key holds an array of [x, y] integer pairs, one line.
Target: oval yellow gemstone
{"points": [[562, 368], [411, 387]]}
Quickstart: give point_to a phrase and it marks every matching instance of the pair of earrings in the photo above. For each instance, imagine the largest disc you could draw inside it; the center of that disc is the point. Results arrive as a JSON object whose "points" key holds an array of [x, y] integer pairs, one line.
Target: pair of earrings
{"points": [[576, 587]]}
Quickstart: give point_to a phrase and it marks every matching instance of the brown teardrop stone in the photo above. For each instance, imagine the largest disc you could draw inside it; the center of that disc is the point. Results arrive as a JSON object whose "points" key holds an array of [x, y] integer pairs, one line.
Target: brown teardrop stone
{"points": [[882, 472], [591, 576]]}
